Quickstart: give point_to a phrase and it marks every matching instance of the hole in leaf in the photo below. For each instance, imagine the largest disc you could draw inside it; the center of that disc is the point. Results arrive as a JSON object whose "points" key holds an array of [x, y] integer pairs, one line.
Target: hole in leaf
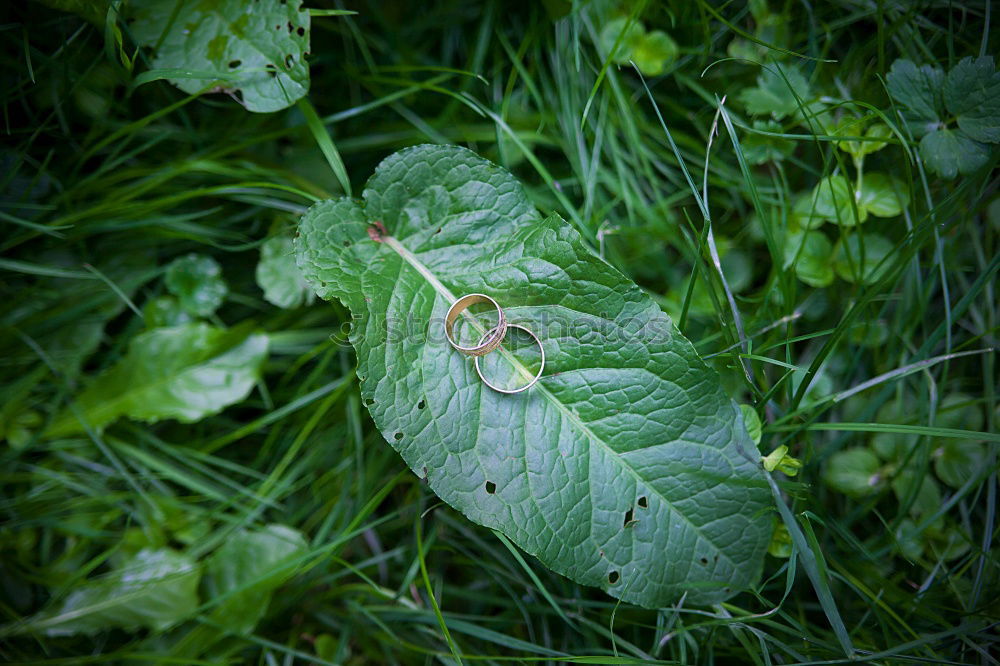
{"points": [[290, 26], [643, 502], [704, 560], [491, 487], [613, 577], [301, 31], [398, 436], [233, 64], [421, 404], [289, 61], [628, 518], [369, 401], [347, 243]]}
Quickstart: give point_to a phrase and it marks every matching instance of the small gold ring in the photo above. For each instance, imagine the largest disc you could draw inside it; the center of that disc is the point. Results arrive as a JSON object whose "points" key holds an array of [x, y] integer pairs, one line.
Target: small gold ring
{"points": [[538, 375], [490, 340]]}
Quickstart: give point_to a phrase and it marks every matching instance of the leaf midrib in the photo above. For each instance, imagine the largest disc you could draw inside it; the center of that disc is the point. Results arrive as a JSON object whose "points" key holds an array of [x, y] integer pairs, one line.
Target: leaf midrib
{"points": [[432, 279]]}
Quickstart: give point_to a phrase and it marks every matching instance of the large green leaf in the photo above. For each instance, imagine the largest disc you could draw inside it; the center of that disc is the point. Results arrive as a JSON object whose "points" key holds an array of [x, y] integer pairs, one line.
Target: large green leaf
{"points": [[155, 588], [255, 48], [183, 372], [627, 467]]}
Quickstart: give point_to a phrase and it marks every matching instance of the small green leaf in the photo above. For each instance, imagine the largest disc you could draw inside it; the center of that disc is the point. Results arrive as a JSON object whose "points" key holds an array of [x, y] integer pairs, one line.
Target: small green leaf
{"points": [[609, 35], [859, 258], [890, 446], [853, 126], [882, 195], [654, 52], [165, 311], [949, 542], [781, 461], [752, 423], [19, 428], [811, 254], [972, 94], [833, 200], [909, 540], [951, 152], [854, 472], [919, 90], [248, 568], [957, 461], [227, 47], [761, 148], [279, 276], [804, 214], [870, 333], [184, 372], [928, 499], [196, 281], [820, 387], [781, 542], [154, 589], [773, 95]]}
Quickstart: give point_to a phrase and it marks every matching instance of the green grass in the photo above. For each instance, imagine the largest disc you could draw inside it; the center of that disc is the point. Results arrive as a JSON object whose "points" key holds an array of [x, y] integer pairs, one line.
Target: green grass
{"points": [[103, 185]]}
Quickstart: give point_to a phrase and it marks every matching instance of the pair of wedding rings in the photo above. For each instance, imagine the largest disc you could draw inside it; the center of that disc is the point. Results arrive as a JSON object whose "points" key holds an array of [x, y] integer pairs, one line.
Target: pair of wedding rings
{"points": [[490, 340]]}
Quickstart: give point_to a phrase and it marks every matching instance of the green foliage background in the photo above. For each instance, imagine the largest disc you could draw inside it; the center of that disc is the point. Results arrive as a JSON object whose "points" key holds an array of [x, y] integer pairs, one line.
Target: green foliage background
{"points": [[229, 498]]}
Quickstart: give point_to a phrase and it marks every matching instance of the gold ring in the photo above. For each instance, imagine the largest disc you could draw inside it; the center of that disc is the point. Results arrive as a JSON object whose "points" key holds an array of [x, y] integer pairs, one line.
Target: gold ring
{"points": [[490, 340], [538, 375]]}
